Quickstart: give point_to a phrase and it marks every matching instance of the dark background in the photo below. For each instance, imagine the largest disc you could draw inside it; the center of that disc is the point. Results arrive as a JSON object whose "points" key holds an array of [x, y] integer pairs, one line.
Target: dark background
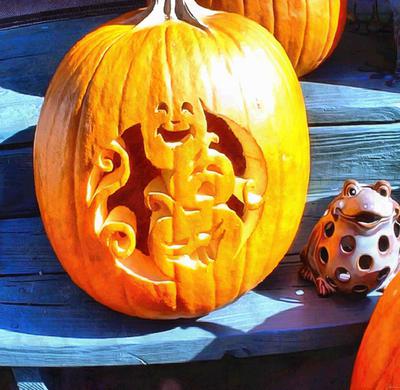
{"points": [[20, 11]]}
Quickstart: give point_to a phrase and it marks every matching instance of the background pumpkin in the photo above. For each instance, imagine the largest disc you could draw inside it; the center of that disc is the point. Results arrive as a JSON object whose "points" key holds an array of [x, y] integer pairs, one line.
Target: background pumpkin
{"points": [[139, 113], [377, 366], [309, 30]]}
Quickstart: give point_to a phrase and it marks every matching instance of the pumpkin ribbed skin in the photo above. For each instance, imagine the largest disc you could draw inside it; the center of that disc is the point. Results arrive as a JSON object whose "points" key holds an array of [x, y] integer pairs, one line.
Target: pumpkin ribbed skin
{"points": [[377, 366], [309, 30], [113, 81]]}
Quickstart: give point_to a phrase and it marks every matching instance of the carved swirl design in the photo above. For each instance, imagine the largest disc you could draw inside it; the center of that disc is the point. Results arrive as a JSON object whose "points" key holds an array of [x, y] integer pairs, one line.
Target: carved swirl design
{"points": [[117, 228], [190, 219]]}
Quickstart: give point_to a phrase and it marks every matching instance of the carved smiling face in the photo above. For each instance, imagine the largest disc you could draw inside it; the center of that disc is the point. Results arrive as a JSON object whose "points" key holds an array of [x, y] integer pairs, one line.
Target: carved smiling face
{"points": [[173, 126]]}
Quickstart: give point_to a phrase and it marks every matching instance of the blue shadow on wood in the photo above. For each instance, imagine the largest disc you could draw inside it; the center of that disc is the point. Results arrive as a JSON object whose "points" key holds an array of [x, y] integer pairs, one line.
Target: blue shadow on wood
{"points": [[296, 325], [29, 60], [51, 313], [21, 137], [17, 193]]}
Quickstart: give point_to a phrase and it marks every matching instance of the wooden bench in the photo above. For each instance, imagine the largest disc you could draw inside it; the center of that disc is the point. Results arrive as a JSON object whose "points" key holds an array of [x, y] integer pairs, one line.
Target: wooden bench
{"points": [[46, 321]]}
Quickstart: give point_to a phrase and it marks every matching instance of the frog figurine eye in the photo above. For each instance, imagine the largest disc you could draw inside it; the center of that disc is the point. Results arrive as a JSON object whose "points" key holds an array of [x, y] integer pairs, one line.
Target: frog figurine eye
{"points": [[351, 188], [383, 188]]}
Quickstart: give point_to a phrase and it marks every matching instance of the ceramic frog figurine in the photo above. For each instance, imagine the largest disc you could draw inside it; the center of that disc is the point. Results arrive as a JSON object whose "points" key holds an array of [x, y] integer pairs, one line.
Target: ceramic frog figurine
{"points": [[354, 248]]}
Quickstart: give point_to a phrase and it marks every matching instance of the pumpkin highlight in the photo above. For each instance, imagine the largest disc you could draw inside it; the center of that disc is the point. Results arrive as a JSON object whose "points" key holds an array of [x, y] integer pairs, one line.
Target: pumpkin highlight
{"points": [[309, 30], [171, 160]]}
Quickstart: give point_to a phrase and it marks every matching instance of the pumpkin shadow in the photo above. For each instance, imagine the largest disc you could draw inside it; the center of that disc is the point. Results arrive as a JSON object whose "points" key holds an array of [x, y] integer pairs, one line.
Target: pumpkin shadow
{"points": [[309, 324]]}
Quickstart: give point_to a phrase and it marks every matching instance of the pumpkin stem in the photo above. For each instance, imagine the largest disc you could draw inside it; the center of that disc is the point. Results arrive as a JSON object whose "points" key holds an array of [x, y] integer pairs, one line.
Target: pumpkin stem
{"points": [[185, 10]]}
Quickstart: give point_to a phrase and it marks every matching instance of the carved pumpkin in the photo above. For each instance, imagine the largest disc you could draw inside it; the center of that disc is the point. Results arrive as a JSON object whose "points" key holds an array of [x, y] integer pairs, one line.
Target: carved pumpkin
{"points": [[377, 366], [309, 30], [172, 159]]}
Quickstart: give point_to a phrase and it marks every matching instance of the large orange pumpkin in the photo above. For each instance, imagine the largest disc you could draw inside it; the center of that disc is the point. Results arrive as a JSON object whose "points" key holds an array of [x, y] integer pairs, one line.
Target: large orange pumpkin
{"points": [[172, 159], [309, 30], [377, 366]]}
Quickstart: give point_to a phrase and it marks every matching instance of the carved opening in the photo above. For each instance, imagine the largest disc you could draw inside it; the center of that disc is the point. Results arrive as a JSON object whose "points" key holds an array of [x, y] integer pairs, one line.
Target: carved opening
{"points": [[383, 243], [329, 229], [173, 136], [396, 228], [132, 194], [348, 244], [228, 143], [331, 281], [342, 274], [382, 275], [365, 262], [367, 217], [360, 289], [236, 205], [230, 146], [116, 159], [163, 107], [324, 255]]}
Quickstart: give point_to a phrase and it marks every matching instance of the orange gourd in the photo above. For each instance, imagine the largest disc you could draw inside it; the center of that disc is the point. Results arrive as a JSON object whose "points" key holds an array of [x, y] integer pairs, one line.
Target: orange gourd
{"points": [[377, 366], [309, 30], [171, 159]]}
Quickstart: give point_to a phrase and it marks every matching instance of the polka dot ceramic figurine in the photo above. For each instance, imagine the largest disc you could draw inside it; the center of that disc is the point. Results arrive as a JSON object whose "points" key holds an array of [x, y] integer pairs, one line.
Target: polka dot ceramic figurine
{"points": [[354, 248]]}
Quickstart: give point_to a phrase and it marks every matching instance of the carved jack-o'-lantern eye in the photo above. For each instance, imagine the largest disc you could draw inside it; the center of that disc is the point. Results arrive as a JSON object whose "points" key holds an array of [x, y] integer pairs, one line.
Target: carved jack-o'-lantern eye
{"points": [[162, 107], [187, 107]]}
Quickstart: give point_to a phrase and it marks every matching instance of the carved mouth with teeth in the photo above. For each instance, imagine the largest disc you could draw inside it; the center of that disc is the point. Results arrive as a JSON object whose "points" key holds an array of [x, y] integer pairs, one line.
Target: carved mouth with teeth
{"points": [[174, 136]]}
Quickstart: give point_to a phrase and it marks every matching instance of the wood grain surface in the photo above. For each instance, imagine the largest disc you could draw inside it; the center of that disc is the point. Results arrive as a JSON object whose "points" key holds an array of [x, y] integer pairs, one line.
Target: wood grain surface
{"points": [[45, 320]]}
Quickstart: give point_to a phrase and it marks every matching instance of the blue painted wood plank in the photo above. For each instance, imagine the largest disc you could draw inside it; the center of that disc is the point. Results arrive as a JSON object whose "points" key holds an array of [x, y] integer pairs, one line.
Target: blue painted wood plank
{"points": [[37, 257], [338, 105], [364, 152], [45, 320], [326, 104], [17, 194], [28, 378], [29, 55]]}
